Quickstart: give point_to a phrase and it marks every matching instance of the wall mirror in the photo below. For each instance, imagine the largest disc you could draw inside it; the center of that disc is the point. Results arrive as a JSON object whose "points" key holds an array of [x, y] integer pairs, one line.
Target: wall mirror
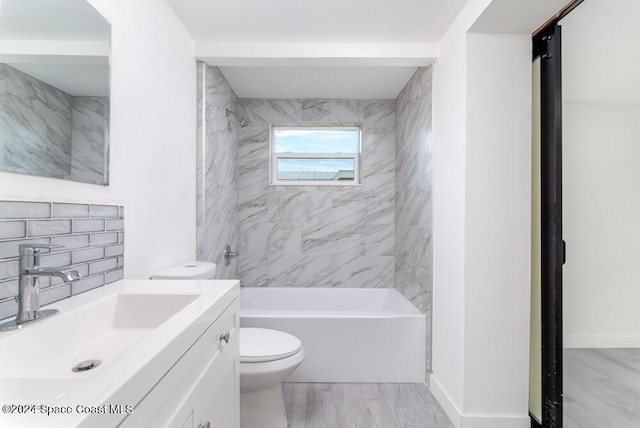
{"points": [[54, 89]]}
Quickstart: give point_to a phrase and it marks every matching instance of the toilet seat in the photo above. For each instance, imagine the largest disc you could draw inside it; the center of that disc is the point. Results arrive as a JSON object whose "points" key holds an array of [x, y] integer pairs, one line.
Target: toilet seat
{"points": [[258, 345]]}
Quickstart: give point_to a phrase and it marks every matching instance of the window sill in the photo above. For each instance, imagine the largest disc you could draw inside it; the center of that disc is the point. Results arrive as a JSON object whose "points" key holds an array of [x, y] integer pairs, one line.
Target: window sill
{"points": [[315, 184]]}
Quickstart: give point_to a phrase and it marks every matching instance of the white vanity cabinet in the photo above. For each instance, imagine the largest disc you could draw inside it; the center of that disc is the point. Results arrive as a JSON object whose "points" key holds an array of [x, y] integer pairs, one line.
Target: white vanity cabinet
{"points": [[168, 350], [219, 405], [201, 390]]}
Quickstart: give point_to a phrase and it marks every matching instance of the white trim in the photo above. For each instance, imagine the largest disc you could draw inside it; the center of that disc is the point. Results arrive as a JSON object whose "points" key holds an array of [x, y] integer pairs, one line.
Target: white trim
{"points": [[486, 421], [201, 236], [450, 408], [63, 51], [332, 155], [273, 156], [601, 341], [338, 126], [317, 54], [340, 183], [461, 420]]}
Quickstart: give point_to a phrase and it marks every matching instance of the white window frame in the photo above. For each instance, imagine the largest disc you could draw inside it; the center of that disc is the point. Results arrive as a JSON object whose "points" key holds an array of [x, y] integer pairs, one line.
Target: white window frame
{"points": [[273, 156]]}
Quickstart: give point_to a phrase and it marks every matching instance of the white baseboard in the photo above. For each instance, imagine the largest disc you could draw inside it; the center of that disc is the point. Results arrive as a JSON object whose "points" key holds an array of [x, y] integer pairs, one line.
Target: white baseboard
{"points": [[474, 421], [496, 422], [450, 409], [575, 341]]}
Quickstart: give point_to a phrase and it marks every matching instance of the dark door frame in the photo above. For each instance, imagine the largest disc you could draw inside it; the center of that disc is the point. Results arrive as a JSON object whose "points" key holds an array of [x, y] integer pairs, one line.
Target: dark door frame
{"points": [[547, 46]]}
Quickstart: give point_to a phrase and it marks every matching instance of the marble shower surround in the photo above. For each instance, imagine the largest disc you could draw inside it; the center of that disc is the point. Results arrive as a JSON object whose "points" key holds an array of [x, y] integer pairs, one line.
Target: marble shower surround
{"points": [[217, 165], [413, 250], [45, 130], [318, 236], [89, 121]]}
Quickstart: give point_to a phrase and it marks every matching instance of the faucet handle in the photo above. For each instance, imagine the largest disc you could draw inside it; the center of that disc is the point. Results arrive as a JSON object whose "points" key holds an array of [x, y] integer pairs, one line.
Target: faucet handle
{"points": [[29, 249]]}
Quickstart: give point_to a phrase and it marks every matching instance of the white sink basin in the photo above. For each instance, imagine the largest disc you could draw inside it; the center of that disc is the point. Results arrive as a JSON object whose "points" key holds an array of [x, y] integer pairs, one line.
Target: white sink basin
{"points": [[101, 331], [138, 329]]}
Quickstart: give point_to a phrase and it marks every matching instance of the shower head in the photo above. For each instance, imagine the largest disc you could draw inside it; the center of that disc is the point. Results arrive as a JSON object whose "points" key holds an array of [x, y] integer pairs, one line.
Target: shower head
{"points": [[241, 120]]}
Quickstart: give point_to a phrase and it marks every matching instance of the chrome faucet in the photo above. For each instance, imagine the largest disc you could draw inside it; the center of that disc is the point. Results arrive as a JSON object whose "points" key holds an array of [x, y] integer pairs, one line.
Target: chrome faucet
{"points": [[28, 288], [228, 255]]}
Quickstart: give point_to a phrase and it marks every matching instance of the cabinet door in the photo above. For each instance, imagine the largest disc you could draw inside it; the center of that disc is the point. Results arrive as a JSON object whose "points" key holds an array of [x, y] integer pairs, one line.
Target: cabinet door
{"points": [[220, 406], [181, 390]]}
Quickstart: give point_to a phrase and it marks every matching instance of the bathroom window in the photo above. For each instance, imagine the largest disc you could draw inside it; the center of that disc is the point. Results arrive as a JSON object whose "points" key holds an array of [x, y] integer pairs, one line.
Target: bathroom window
{"points": [[316, 154]]}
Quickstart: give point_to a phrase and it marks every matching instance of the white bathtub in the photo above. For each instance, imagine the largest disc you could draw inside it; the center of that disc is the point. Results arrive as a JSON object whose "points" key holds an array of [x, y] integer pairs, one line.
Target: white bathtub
{"points": [[349, 334]]}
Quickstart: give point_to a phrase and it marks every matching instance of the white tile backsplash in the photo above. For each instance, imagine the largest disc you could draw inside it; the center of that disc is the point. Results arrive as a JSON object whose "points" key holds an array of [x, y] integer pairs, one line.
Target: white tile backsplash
{"points": [[9, 249], [104, 211], [70, 210], [104, 238], [98, 256], [48, 227], [80, 256], [13, 209], [71, 242], [80, 226], [13, 229]]}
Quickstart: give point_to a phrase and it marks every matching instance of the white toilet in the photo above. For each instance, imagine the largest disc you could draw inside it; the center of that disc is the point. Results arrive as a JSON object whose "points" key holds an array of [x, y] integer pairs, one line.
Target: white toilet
{"points": [[267, 357]]}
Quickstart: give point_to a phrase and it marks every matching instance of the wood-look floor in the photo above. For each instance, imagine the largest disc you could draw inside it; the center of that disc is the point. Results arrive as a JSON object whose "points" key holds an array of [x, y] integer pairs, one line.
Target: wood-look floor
{"points": [[601, 388], [362, 405]]}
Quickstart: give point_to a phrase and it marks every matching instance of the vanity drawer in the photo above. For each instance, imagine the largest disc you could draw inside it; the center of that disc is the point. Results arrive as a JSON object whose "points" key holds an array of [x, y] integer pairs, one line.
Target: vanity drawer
{"points": [[168, 400]]}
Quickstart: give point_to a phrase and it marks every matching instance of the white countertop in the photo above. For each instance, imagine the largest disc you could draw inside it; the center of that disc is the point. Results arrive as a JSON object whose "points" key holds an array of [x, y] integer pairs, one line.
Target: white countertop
{"points": [[123, 380]]}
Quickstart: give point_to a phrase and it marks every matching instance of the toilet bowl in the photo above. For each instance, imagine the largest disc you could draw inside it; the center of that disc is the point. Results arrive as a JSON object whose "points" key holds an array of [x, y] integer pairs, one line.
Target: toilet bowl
{"points": [[267, 357]]}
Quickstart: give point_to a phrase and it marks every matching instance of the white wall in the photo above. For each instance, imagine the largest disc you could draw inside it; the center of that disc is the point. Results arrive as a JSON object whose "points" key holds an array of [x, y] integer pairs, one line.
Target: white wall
{"points": [[153, 117], [601, 176], [600, 224], [482, 166], [449, 116], [498, 228]]}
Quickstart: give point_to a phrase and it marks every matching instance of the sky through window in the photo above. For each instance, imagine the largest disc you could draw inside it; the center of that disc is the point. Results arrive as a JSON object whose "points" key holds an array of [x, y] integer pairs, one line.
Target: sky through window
{"points": [[316, 153]]}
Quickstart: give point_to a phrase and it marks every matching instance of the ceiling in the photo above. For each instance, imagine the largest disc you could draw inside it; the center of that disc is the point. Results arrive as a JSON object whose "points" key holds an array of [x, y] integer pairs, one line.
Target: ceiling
{"points": [[341, 21], [317, 49], [318, 82], [64, 43], [74, 79], [51, 20]]}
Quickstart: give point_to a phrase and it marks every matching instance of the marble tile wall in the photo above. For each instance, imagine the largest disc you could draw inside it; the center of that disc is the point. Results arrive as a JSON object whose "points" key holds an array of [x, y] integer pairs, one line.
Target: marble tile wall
{"points": [[35, 125], [317, 236], [413, 248], [89, 124], [217, 165], [93, 239], [45, 131]]}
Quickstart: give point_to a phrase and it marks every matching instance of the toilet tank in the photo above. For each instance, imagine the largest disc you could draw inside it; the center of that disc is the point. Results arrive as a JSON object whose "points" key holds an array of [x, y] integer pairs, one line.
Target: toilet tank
{"points": [[190, 270]]}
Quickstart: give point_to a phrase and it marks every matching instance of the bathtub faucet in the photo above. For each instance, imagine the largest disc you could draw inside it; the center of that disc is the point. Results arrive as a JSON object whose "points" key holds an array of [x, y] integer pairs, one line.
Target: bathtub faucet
{"points": [[228, 255]]}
